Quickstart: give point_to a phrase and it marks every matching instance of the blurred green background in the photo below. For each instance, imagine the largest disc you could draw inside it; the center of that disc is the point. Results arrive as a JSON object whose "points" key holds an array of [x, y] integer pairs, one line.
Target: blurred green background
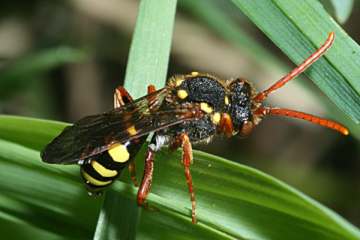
{"points": [[61, 60]]}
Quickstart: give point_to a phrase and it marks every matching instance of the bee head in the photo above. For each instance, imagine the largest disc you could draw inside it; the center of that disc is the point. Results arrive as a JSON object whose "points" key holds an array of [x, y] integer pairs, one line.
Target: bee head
{"points": [[240, 107]]}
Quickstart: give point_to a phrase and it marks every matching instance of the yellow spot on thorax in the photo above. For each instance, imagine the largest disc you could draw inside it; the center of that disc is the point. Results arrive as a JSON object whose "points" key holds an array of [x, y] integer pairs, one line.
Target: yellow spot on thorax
{"points": [[93, 181], [194, 74], [205, 107], [182, 94], [102, 170], [132, 130], [119, 153], [216, 118], [227, 101]]}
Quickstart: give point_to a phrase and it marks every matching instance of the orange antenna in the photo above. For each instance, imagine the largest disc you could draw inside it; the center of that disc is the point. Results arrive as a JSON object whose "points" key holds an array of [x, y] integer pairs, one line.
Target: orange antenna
{"points": [[260, 97], [305, 116]]}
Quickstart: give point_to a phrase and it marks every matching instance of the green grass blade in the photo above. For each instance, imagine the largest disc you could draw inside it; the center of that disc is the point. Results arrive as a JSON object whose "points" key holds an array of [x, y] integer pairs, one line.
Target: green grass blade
{"points": [[49, 199], [233, 201], [123, 224], [150, 48], [32, 134], [302, 26], [239, 202], [147, 64]]}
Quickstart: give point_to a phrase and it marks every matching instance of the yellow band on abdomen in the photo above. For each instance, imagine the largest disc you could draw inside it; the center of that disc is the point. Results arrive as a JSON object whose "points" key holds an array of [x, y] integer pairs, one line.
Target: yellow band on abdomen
{"points": [[102, 170], [119, 153], [93, 181]]}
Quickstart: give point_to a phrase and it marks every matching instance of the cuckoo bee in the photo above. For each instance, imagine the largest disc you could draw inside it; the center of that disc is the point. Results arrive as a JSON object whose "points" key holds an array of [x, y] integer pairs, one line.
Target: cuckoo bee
{"points": [[190, 109]]}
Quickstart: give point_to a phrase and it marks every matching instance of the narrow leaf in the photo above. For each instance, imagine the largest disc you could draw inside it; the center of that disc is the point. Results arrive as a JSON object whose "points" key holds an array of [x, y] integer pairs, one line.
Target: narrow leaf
{"points": [[233, 201], [150, 47]]}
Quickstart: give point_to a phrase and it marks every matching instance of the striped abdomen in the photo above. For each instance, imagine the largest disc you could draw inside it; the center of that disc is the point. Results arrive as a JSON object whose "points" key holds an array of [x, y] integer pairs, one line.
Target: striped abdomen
{"points": [[101, 170]]}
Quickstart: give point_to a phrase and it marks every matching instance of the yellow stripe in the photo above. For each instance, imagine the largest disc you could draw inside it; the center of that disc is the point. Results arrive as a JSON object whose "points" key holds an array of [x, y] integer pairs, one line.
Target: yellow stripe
{"points": [[102, 170], [93, 181], [119, 153], [205, 107]]}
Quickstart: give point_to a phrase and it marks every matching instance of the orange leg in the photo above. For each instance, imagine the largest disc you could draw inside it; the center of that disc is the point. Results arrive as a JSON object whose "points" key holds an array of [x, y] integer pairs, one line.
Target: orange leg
{"points": [[132, 171], [146, 181], [187, 160], [145, 186], [122, 96]]}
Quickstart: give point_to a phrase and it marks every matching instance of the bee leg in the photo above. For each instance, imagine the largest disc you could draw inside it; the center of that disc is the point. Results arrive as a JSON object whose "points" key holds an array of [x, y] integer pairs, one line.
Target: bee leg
{"points": [[157, 141], [187, 160], [146, 181], [132, 171], [121, 97]]}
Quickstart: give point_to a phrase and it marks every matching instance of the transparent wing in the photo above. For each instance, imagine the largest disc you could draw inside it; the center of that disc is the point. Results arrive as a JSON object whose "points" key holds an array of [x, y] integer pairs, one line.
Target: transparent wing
{"points": [[95, 134]]}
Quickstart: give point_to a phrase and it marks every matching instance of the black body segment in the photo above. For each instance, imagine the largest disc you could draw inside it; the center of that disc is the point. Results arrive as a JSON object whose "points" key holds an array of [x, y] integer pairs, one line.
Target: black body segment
{"points": [[241, 104], [204, 88], [197, 130]]}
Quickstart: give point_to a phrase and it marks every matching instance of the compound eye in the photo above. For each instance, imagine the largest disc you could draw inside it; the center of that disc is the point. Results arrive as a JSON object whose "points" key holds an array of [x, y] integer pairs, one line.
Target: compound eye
{"points": [[246, 128]]}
